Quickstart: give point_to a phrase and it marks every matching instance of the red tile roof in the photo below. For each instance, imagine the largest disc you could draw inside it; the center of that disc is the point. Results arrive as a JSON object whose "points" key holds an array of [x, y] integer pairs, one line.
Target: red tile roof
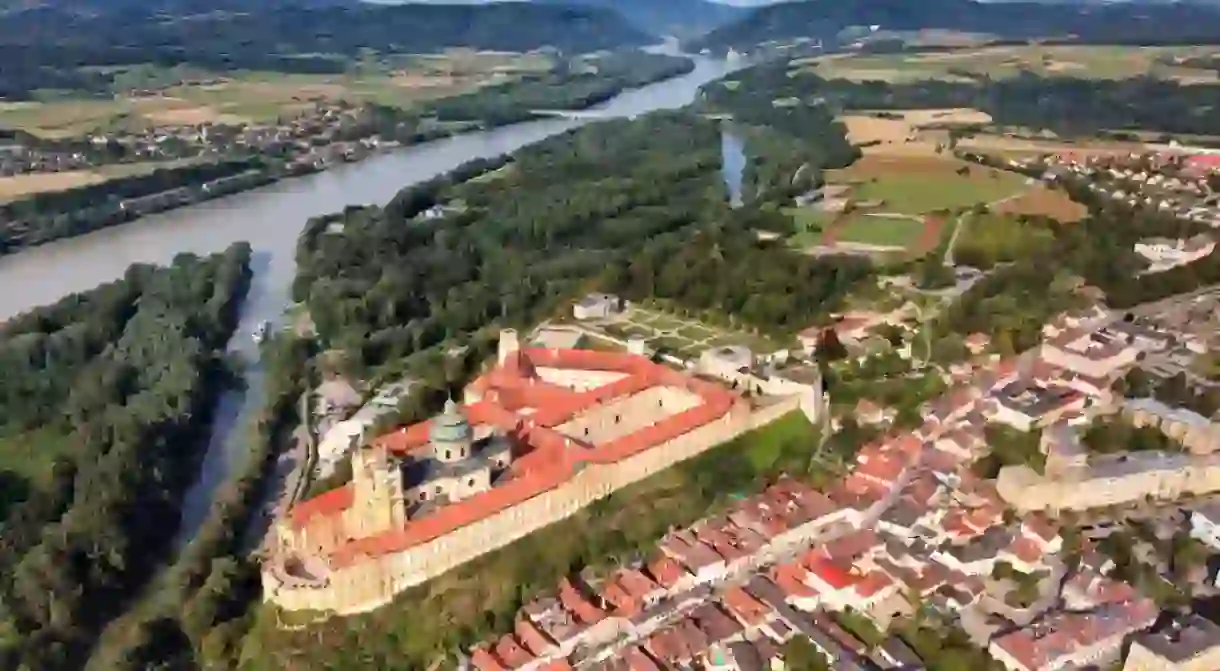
{"points": [[666, 572], [485, 661], [836, 575], [748, 610], [323, 505], [509, 650]]}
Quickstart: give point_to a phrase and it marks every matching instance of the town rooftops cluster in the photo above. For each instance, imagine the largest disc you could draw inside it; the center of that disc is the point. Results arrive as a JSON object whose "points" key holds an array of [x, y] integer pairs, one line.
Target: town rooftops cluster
{"points": [[688, 561]]}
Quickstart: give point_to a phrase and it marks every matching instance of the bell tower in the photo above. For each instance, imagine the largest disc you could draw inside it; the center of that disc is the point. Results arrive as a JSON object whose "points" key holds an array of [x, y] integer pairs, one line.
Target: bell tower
{"points": [[377, 491]]}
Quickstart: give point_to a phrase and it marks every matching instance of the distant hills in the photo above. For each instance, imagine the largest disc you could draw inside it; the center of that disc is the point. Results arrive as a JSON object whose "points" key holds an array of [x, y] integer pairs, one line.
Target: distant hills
{"points": [[683, 18], [245, 28], [1111, 22]]}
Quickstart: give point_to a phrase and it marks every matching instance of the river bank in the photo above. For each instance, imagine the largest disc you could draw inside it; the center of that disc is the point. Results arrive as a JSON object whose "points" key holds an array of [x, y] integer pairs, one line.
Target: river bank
{"points": [[481, 111]]}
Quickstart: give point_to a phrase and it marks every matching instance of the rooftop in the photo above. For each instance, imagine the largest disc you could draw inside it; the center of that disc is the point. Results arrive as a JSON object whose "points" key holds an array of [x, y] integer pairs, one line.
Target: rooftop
{"points": [[1183, 640]]}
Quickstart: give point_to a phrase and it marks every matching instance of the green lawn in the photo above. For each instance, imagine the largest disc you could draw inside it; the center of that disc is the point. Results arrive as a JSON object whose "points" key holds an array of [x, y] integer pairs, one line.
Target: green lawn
{"points": [[887, 231], [696, 332], [478, 600], [913, 193]]}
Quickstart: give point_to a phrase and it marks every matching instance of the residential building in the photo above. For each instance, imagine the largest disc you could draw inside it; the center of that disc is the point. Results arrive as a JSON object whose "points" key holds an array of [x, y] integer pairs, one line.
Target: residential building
{"points": [[1191, 643]]}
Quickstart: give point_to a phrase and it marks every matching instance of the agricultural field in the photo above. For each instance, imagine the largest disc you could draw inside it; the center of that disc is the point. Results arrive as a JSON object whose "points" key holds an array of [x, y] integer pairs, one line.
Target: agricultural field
{"points": [[261, 97], [1044, 202], [920, 184], [20, 186], [880, 230], [996, 62]]}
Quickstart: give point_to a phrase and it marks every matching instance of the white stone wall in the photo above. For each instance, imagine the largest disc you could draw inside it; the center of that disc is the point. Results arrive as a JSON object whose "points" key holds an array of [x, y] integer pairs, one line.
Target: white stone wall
{"points": [[1028, 491]]}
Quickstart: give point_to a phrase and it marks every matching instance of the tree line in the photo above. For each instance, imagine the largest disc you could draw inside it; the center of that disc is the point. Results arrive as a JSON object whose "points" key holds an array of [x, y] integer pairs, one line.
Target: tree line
{"points": [[789, 137], [728, 271], [1110, 23], [127, 375], [49, 216], [1066, 105]]}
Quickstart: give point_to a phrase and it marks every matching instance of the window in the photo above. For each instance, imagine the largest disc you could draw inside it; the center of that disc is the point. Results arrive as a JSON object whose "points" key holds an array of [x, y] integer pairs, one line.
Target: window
{"points": [[617, 419], [586, 432], [448, 455], [470, 482], [423, 496], [438, 490]]}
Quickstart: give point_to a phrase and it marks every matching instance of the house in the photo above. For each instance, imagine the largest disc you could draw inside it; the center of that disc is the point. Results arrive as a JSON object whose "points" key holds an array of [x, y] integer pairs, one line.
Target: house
{"points": [[598, 306], [1191, 643], [1205, 524], [977, 342], [1073, 639], [1096, 354]]}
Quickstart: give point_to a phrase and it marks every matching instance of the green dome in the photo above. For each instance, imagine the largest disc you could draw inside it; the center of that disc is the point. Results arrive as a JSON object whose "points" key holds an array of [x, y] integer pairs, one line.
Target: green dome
{"points": [[450, 426]]}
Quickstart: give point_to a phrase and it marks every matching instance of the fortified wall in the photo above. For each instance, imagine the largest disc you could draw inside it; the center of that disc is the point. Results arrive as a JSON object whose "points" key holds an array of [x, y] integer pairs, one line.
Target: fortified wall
{"points": [[576, 438]]}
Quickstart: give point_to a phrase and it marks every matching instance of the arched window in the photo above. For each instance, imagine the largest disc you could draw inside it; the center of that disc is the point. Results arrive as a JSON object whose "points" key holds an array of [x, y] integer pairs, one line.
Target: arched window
{"points": [[448, 455], [470, 482], [617, 419]]}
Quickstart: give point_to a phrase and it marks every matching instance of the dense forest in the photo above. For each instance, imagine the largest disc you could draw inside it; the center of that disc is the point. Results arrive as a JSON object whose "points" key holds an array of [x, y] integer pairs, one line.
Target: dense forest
{"points": [[728, 271], [569, 86], [382, 284], [787, 144], [1181, 23], [106, 396], [60, 47]]}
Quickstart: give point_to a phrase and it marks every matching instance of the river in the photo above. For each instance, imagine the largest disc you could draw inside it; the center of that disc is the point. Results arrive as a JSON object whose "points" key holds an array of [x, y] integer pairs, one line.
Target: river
{"points": [[270, 219]]}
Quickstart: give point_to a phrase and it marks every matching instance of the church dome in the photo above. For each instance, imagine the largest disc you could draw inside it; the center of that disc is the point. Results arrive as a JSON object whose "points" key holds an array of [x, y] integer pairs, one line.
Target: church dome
{"points": [[450, 426]]}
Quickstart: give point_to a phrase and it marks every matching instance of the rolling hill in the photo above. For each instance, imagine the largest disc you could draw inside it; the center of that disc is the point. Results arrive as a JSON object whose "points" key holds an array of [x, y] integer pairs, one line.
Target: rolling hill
{"points": [[1181, 23], [683, 18]]}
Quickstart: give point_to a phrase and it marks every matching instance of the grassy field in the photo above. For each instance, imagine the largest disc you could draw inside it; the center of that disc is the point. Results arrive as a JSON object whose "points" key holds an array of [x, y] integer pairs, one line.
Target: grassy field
{"points": [[479, 599], [880, 230], [967, 64], [260, 97], [917, 185]]}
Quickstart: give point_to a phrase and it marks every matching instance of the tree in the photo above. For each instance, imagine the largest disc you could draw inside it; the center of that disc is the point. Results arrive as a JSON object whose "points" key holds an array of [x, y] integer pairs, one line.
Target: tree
{"points": [[801, 655], [829, 348]]}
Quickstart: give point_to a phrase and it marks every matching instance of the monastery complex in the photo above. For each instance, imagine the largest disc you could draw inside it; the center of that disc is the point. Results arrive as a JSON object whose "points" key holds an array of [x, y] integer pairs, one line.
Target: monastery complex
{"points": [[545, 433]]}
